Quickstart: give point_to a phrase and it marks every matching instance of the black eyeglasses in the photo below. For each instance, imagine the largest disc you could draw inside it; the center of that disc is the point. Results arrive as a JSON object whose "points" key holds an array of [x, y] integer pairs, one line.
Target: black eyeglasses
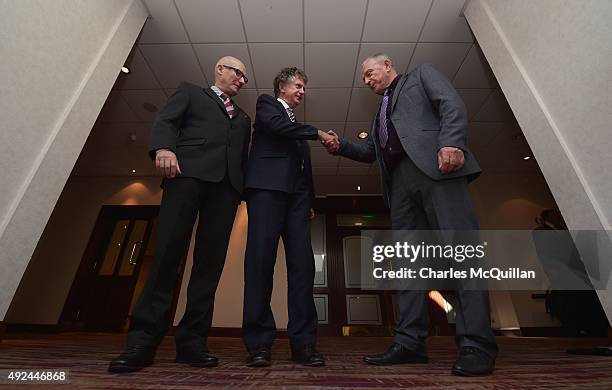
{"points": [[238, 73]]}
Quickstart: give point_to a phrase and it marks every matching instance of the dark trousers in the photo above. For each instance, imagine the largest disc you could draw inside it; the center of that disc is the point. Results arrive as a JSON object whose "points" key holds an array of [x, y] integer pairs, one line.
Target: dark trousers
{"points": [[273, 214], [182, 200], [417, 202]]}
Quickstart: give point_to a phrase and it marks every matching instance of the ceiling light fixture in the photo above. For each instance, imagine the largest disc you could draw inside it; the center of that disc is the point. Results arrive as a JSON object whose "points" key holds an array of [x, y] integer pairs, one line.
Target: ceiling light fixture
{"points": [[526, 158], [363, 135], [125, 69], [133, 171], [358, 188]]}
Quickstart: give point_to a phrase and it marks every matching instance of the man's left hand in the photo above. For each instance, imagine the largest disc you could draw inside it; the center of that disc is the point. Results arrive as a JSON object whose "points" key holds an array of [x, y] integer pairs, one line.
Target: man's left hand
{"points": [[450, 159]]}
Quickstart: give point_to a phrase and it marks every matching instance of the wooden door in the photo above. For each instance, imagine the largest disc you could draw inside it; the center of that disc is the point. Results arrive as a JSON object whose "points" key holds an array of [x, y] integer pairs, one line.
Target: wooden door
{"points": [[113, 269]]}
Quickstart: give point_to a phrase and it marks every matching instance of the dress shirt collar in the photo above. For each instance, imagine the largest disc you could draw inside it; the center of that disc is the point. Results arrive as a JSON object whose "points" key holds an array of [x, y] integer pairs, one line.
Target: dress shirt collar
{"points": [[284, 103], [218, 92]]}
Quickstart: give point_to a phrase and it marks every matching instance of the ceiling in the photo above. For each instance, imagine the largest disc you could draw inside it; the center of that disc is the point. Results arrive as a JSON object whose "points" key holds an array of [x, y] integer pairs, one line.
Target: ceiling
{"points": [[182, 40]]}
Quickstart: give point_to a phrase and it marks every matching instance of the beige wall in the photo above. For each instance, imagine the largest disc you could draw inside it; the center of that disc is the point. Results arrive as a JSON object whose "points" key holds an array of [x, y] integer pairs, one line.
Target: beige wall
{"points": [[553, 60], [45, 286], [512, 201], [59, 61], [229, 298]]}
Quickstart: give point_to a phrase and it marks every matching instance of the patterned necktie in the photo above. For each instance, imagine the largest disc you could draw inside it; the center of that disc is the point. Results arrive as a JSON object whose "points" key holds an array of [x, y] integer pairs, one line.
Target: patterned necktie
{"points": [[291, 114], [382, 121], [229, 105], [292, 119]]}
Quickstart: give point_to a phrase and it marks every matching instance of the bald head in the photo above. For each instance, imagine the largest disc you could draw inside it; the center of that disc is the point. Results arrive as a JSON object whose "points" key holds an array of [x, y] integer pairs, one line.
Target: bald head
{"points": [[378, 58], [230, 75], [231, 61]]}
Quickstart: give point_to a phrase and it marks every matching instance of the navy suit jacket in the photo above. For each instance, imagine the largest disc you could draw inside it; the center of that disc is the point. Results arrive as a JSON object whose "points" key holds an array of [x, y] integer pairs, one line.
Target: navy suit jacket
{"points": [[279, 151]]}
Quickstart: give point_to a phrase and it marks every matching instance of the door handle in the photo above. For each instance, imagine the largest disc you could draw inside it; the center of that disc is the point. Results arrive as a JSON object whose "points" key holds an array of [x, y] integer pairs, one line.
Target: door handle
{"points": [[132, 260]]}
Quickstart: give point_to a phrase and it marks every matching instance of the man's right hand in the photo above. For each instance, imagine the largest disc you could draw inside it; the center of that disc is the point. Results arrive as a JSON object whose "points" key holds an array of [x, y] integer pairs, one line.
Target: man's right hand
{"points": [[332, 142], [166, 163]]}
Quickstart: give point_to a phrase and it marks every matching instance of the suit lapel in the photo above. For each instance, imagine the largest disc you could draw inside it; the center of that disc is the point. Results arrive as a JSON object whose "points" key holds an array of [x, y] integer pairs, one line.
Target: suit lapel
{"points": [[374, 131], [238, 111], [216, 99], [283, 109], [397, 90], [300, 143]]}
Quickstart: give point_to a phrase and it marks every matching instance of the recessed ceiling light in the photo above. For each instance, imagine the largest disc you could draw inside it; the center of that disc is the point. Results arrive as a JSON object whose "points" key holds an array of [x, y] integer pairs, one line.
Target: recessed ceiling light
{"points": [[358, 188], [125, 69], [133, 171], [526, 158], [363, 135]]}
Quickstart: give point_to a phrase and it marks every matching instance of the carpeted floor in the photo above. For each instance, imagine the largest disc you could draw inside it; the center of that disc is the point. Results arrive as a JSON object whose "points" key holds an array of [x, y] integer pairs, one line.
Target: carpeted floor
{"points": [[524, 363]]}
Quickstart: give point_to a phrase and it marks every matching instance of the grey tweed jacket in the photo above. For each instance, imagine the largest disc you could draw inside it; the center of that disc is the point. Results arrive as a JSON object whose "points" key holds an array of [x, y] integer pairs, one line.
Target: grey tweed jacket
{"points": [[428, 114]]}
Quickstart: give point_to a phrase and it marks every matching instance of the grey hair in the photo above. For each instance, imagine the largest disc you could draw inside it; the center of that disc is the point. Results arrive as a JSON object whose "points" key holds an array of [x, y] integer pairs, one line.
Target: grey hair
{"points": [[379, 57], [287, 74]]}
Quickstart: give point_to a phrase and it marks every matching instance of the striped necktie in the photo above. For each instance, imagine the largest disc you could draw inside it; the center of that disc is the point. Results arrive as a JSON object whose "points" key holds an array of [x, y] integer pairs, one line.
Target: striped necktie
{"points": [[229, 105], [291, 114], [383, 133]]}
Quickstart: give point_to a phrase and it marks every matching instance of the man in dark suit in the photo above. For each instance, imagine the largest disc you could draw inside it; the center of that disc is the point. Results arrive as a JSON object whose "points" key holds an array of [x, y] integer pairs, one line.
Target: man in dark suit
{"points": [[200, 144], [419, 141], [279, 200]]}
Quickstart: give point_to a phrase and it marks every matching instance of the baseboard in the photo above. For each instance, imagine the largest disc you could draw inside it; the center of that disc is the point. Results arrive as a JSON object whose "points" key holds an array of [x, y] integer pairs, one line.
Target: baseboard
{"points": [[32, 328], [323, 330], [228, 332], [554, 331], [543, 331], [508, 332]]}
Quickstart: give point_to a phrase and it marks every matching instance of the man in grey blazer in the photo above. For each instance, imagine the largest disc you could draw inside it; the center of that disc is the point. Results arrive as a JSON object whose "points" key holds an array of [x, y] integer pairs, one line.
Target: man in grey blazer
{"points": [[419, 140]]}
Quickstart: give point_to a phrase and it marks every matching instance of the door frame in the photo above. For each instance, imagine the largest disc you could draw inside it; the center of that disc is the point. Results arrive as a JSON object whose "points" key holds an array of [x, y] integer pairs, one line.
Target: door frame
{"points": [[95, 249], [336, 291]]}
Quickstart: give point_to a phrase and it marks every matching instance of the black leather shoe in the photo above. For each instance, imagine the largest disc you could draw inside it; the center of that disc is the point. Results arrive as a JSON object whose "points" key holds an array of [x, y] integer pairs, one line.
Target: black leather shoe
{"points": [[196, 357], [396, 354], [134, 358], [473, 362], [259, 357], [307, 355]]}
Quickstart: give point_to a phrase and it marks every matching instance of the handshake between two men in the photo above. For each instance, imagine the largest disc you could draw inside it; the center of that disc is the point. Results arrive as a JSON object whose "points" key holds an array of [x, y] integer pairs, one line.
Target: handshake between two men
{"points": [[330, 140], [449, 158]]}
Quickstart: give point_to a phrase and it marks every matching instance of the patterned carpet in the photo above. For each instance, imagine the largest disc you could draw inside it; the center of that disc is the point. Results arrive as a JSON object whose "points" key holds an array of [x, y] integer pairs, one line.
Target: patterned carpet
{"points": [[524, 363]]}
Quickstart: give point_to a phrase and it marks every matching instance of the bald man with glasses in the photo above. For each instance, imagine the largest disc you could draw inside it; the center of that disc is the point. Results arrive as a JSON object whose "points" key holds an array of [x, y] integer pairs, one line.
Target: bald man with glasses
{"points": [[199, 142]]}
